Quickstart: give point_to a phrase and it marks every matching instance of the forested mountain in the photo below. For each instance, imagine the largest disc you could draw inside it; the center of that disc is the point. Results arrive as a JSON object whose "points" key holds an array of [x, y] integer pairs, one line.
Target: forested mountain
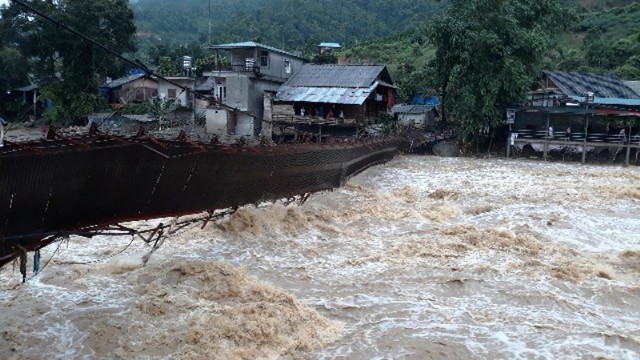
{"points": [[186, 20], [289, 24], [604, 37]]}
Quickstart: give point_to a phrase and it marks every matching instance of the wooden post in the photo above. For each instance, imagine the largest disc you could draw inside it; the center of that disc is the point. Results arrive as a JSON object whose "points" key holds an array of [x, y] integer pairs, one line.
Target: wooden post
{"points": [[509, 143], [584, 141], [546, 143], [626, 160]]}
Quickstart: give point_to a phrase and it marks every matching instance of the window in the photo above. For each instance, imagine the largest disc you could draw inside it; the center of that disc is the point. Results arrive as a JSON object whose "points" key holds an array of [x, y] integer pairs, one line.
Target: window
{"points": [[221, 92], [287, 66], [172, 93], [264, 58]]}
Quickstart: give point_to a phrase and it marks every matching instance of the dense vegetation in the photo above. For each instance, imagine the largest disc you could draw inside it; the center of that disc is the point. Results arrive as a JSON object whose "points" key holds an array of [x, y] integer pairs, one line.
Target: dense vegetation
{"points": [[287, 24], [484, 65], [67, 70], [604, 40], [603, 37]]}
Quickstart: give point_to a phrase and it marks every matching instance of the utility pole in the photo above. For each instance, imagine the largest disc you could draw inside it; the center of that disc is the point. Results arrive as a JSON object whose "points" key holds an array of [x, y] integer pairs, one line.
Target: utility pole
{"points": [[209, 23]]}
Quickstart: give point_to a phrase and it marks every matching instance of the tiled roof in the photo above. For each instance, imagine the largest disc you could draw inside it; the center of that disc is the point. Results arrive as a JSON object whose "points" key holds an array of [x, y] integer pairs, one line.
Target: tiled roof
{"points": [[250, 45], [347, 76], [602, 85]]}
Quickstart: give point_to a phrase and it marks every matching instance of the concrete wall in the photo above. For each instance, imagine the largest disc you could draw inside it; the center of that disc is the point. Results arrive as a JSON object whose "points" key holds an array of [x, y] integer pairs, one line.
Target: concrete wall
{"points": [[137, 90], [267, 126], [183, 98], [414, 120], [217, 121], [239, 91], [276, 64], [277, 67]]}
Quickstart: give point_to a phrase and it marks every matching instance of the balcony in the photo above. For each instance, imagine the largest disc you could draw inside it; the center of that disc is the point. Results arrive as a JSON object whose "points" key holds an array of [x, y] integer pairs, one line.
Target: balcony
{"points": [[247, 68]]}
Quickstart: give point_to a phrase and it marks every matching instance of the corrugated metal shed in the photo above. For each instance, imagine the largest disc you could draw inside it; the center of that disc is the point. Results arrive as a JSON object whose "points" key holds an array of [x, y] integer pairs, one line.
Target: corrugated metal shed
{"points": [[411, 109], [332, 95], [347, 76], [251, 45], [633, 85], [579, 84]]}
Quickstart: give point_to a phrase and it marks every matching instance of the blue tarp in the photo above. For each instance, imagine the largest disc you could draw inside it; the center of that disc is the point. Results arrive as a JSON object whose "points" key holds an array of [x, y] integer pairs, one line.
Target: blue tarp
{"points": [[425, 100]]}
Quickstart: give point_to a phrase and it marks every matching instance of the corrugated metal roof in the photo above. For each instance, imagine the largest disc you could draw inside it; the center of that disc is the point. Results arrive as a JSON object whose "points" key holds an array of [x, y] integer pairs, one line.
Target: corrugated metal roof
{"points": [[348, 76], [609, 101], [122, 81], [411, 109], [633, 85], [331, 95], [250, 45], [330, 45], [579, 84]]}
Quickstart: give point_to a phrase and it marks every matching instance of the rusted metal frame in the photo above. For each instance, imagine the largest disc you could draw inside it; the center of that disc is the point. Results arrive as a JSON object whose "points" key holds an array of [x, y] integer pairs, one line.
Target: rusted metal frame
{"points": [[184, 138], [24, 147], [54, 134], [304, 199], [153, 233], [117, 139], [157, 142]]}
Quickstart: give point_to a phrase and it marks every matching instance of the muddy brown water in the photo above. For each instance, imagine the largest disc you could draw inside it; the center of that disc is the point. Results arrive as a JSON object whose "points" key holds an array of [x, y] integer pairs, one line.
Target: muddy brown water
{"points": [[421, 258]]}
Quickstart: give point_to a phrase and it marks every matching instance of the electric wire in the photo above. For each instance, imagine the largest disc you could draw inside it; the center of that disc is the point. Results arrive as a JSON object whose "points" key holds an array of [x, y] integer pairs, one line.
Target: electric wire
{"points": [[136, 63]]}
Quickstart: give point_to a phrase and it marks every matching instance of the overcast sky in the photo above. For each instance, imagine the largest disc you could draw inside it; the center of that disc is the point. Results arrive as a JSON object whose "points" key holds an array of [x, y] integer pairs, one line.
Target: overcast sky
{"points": [[2, 2]]}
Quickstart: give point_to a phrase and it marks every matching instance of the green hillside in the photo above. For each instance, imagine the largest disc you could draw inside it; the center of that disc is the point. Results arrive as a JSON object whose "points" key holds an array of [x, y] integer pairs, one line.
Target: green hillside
{"points": [[288, 24], [605, 37]]}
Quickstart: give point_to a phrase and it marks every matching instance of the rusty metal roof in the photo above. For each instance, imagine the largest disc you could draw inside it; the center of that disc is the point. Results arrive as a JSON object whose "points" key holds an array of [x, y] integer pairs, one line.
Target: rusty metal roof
{"points": [[331, 95]]}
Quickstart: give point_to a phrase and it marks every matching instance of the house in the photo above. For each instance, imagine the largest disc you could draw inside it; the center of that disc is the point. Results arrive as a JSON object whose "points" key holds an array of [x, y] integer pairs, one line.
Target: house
{"points": [[560, 97], [328, 47], [579, 111], [357, 92], [415, 116], [340, 98], [171, 92], [134, 88], [249, 69]]}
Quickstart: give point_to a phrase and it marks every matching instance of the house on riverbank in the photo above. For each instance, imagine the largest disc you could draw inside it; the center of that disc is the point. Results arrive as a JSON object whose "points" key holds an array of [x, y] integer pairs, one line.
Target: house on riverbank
{"points": [[579, 112]]}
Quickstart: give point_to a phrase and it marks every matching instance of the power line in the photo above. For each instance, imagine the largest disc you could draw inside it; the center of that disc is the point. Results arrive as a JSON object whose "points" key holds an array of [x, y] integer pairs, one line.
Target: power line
{"points": [[136, 63]]}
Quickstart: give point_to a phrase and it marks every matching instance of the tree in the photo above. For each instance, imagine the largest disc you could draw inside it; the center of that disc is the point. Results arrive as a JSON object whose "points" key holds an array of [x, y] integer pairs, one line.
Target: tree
{"points": [[68, 68], [488, 53]]}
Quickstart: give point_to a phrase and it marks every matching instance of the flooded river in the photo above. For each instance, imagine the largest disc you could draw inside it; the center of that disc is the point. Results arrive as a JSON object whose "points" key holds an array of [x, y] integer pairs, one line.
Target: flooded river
{"points": [[420, 258]]}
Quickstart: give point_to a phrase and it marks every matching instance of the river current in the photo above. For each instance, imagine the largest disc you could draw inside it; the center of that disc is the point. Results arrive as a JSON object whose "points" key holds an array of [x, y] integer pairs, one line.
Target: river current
{"points": [[420, 258]]}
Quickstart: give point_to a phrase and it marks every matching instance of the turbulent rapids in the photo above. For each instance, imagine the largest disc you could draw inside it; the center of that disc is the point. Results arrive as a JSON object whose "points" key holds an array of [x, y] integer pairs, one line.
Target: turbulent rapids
{"points": [[418, 258], [53, 188]]}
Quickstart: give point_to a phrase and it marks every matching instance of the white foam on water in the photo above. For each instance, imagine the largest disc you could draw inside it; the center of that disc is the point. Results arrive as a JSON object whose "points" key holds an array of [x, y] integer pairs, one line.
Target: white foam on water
{"points": [[419, 258]]}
